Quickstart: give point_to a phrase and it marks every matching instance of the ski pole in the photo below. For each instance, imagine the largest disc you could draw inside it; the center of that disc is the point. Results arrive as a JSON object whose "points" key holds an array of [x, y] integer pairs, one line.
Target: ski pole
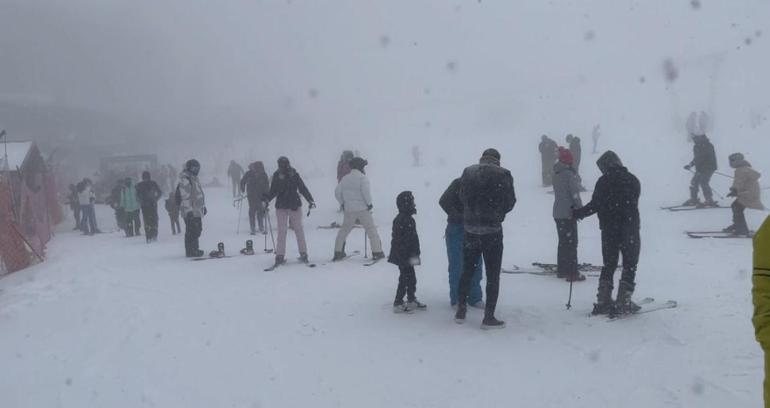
{"points": [[724, 175], [238, 227], [366, 246], [270, 226], [569, 300]]}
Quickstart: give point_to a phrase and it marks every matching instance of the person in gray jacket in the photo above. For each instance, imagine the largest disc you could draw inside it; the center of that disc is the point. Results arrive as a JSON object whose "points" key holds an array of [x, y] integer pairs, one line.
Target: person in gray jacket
{"points": [[566, 187]]}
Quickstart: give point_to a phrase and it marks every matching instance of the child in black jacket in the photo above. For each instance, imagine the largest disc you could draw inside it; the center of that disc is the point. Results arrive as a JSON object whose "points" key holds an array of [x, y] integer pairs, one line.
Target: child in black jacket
{"points": [[405, 252]]}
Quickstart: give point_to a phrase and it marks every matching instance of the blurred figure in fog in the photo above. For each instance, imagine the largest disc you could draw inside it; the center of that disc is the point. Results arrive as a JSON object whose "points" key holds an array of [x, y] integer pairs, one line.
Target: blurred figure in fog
{"points": [[172, 208], [149, 193], [87, 199], [256, 184], [548, 150], [416, 156], [595, 135], [705, 163], [235, 171], [74, 203], [130, 204]]}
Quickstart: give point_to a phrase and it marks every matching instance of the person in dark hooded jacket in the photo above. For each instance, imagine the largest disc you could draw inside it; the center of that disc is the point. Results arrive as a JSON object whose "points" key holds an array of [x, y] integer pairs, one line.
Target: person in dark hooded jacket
{"points": [[487, 194], [148, 192], [405, 253], [616, 200], [286, 187], [705, 163], [255, 184]]}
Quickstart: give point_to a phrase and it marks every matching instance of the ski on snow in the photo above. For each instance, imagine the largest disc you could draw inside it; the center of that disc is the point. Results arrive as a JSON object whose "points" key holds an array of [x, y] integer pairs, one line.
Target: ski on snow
{"points": [[274, 267], [647, 307], [544, 269], [677, 208], [716, 234]]}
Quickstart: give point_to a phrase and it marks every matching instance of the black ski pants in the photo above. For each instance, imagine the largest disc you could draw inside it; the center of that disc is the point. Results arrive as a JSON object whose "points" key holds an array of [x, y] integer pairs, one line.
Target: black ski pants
{"points": [[701, 180], [133, 224], [617, 242], [739, 218], [150, 217], [566, 254], [490, 246], [407, 285], [256, 214], [193, 228]]}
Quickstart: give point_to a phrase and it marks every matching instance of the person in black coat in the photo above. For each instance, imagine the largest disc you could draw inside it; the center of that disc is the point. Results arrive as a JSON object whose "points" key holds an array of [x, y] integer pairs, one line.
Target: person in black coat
{"points": [[705, 162], [255, 184], [616, 200], [548, 151], [149, 193], [405, 253], [487, 195]]}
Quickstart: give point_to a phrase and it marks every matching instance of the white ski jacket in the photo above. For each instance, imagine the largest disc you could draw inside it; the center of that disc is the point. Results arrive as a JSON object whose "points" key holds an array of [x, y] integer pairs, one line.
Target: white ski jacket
{"points": [[353, 192]]}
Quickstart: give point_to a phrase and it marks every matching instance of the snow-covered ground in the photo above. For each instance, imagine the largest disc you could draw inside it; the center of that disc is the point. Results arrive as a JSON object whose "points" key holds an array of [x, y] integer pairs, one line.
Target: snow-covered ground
{"points": [[109, 321]]}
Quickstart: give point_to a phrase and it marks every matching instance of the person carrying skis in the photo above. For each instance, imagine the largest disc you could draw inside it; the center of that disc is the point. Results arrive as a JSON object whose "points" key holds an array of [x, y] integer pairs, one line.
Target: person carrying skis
{"points": [[149, 193], [746, 191], [548, 148], [487, 194], [760, 293], [405, 253], [192, 204], [616, 200], [130, 204], [455, 242], [172, 208], [255, 184], [566, 188], [235, 171], [286, 187], [355, 198], [705, 163]]}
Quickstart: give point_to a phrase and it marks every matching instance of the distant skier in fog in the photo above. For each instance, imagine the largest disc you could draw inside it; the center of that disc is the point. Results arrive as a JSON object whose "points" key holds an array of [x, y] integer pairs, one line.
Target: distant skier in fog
{"points": [[705, 163], [746, 191], [256, 184], [149, 193], [87, 200], [595, 135], [192, 205], [616, 200], [235, 171], [74, 204], [576, 150], [172, 208], [548, 148], [416, 156], [130, 204]]}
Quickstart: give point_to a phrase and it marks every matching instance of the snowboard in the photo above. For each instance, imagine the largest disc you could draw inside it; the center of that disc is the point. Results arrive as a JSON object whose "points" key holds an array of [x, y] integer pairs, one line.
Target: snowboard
{"points": [[717, 234]]}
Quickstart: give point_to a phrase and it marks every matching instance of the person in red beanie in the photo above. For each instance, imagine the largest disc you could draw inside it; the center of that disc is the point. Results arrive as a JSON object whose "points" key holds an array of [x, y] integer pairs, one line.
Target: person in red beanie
{"points": [[566, 188]]}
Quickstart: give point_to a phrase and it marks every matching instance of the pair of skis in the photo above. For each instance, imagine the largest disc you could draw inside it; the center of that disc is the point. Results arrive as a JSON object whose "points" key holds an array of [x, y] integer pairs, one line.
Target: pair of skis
{"points": [[717, 234], [546, 269], [647, 305], [678, 208]]}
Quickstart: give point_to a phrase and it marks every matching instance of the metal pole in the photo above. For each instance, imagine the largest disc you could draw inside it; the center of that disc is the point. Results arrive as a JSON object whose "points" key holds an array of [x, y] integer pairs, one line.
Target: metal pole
{"points": [[569, 301]]}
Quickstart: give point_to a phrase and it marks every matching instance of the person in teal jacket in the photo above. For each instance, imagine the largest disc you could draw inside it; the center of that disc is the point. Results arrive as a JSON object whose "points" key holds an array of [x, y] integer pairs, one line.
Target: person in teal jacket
{"points": [[130, 203]]}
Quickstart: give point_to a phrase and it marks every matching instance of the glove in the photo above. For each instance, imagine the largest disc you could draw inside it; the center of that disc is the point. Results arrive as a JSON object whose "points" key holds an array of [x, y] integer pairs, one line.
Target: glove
{"points": [[369, 207], [205, 211], [733, 193], [688, 166], [312, 204]]}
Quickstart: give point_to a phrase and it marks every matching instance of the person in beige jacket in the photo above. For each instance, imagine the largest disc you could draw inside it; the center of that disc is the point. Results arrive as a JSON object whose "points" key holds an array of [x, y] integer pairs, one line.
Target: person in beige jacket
{"points": [[746, 191]]}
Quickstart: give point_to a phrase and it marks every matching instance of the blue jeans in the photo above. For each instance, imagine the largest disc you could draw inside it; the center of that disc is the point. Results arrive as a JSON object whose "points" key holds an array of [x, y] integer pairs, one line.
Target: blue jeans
{"points": [[455, 240]]}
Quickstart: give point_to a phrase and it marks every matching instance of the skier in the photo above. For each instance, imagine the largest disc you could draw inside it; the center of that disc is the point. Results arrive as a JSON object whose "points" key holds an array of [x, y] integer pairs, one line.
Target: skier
{"points": [[566, 189], [746, 191], [114, 202], [172, 208], [595, 135], [760, 294], [255, 184], [355, 198], [286, 187], [455, 241], [130, 204], [235, 171], [416, 156], [343, 166], [547, 149], [705, 163], [74, 203], [487, 194], [616, 200], [149, 193], [405, 253], [87, 199], [192, 203]]}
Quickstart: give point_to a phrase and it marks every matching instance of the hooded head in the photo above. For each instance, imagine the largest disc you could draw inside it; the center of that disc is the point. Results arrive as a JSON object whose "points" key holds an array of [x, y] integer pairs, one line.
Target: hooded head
{"points": [[569, 138], [490, 156], [544, 138], [283, 163], [257, 166], [146, 175], [565, 156], [405, 203], [358, 163], [193, 167], [608, 161], [738, 160]]}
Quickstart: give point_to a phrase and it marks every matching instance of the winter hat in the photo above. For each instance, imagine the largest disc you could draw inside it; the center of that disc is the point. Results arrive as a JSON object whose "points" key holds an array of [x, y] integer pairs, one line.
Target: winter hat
{"points": [[283, 163], [358, 163], [569, 138], [736, 157], [565, 156], [145, 175], [490, 156], [405, 203]]}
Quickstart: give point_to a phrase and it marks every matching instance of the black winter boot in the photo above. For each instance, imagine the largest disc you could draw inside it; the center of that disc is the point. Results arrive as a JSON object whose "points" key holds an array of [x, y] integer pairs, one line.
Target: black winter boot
{"points": [[604, 304], [338, 256], [624, 304], [490, 323], [460, 314]]}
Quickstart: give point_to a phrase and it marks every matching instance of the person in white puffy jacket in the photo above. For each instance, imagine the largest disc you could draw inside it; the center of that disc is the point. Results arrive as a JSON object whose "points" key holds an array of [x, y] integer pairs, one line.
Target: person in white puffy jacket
{"points": [[353, 194]]}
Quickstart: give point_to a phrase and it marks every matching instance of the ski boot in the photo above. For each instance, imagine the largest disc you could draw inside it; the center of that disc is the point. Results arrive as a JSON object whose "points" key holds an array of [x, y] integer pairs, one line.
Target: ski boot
{"points": [[416, 305], [219, 252], [401, 307], [709, 203], [303, 258], [253, 232], [490, 323], [575, 277], [279, 260], [623, 303], [604, 304], [338, 256], [730, 229], [693, 202], [462, 309], [376, 256], [249, 250], [197, 253]]}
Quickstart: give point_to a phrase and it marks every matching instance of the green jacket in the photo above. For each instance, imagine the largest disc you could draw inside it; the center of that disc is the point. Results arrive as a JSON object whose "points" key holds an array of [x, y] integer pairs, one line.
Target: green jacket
{"points": [[760, 291], [128, 199]]}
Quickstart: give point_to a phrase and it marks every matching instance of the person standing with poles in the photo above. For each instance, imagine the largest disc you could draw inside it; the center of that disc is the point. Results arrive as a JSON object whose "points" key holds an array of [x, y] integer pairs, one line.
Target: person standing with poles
{"points": [[355, 198], [255, 184], [705, 163], [235, 171], [566, 188], [286, 187], [149, 193], [487, 195], [192, 203], [747, 194], [616, 200]]}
